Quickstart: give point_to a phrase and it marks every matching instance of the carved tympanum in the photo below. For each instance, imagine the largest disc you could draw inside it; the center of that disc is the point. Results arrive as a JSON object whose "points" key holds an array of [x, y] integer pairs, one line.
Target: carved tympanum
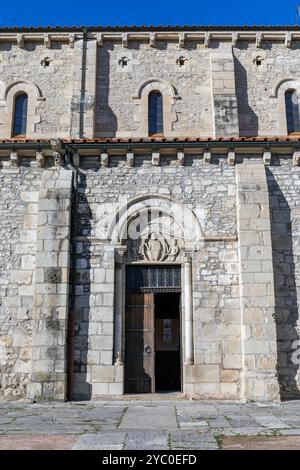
{"points": [[154, 248]]}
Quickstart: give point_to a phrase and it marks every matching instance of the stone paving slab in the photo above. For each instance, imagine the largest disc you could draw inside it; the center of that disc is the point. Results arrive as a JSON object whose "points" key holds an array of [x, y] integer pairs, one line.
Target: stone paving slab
{"points": [[145, 425], [41, 442], [149, 417], [101, 441], [261, 443], [147, 441]]}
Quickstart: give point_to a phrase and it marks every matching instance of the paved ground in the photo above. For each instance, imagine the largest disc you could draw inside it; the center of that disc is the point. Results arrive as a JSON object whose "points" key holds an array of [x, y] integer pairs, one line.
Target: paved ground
{"points": [[149, 424]]}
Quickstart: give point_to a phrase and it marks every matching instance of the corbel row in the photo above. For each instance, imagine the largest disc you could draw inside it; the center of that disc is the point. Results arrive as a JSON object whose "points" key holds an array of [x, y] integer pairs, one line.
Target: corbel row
{"points": [[182, 37], [58, 158], [207, 37], [46, 38]]}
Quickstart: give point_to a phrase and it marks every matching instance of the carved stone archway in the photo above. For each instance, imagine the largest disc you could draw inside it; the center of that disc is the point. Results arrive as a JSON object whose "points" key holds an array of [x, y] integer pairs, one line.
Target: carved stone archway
{"points": [[154, 230]]}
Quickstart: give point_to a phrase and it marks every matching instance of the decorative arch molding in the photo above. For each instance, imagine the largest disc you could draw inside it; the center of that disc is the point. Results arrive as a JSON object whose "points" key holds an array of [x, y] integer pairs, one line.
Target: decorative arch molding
{"points": [[7, 100], [188, 227], [284, 84], [169, 95], [156, 84], [278, 94]]}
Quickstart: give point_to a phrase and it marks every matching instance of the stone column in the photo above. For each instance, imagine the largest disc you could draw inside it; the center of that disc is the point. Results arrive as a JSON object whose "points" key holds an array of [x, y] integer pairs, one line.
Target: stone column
{"points": [[188, 304], [118, 313], [50, 311], [257, 300]]}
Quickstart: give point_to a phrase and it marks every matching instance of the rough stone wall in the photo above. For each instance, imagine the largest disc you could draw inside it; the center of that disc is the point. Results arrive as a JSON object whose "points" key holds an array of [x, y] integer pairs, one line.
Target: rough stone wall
{"points": [[217, 324], [18, 206], [110, 107], [258, 111], [209, 190], [54, 82], [284, 189], [116, 109]]}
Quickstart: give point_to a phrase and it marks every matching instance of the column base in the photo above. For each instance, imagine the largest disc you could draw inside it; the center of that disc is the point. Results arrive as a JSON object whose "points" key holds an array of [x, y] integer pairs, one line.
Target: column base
{"points": [[260, 387], [47, 387]]}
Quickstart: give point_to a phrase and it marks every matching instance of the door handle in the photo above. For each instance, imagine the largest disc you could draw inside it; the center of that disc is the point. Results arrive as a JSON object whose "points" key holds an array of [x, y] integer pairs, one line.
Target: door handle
{"points": [[148, 349]]}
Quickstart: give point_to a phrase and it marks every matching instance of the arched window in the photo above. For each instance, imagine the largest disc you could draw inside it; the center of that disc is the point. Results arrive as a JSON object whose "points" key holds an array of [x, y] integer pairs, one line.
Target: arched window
{"points": [[292, 111], [20, 114], [155, 113]]}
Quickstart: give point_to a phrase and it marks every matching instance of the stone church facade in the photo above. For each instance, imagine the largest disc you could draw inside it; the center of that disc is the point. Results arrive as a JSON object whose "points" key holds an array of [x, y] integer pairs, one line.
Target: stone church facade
{"points": [[150, 212]]}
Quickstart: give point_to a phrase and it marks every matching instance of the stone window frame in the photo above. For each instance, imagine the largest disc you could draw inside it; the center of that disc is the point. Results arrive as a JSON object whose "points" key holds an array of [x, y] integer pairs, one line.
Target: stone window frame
{"points": [[7, 105], [278, 93], [170, 96]]}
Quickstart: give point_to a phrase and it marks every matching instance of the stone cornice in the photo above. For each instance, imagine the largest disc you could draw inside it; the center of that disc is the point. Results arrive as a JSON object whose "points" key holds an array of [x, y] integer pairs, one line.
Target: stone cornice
{"points": [[258, 35], [12, 153]]}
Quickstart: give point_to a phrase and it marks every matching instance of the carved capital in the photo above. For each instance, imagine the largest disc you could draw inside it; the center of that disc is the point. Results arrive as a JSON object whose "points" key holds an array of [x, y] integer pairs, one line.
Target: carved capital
{"points": [[120, 254]]}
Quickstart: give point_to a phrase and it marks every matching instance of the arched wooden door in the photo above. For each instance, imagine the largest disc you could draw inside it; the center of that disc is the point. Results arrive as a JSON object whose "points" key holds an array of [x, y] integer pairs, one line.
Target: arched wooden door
{"points": [[142, 283]]}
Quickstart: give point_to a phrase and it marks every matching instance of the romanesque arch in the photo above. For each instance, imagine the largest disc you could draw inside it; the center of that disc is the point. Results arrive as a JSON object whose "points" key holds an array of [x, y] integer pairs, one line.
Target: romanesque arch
{"points": [[154, 216], [7, 99], [278, 93], [169, 95]]}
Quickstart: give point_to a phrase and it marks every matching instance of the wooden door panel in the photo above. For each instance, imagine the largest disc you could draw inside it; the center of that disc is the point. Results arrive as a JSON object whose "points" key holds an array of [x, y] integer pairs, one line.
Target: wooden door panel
{"points": [[139, 333]]}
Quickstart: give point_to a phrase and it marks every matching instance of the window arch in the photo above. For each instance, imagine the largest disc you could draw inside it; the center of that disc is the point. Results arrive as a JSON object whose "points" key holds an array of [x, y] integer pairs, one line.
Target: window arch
{"points": [[292, 111], [155, 113], [20, 115]]}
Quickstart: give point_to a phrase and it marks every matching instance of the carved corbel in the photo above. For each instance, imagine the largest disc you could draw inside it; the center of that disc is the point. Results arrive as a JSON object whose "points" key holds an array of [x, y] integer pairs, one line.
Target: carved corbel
{"points": [[207, 39], [267, 158], [99, 39], [155, 158], [296, 158], [20, 41], [259, 39], [104, 159], [288, 39], [207, 157], [40, 159], [57, 146], [130, 159], [235, 38], [14, 159], [47, 41], [231, 158], [180, 158], [72, 40], [181, 40], [125, 40], [152, 39]]}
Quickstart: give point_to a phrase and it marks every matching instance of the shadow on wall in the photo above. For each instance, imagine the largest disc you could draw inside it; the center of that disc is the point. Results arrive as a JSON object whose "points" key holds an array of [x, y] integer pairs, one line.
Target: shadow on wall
{"points": [[81, 386], [106, 120], [248, 120], [286, 305]]}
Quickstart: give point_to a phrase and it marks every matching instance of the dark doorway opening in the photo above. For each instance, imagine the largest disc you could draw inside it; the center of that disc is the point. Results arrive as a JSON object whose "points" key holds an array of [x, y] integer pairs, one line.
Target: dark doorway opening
{"points": [[152, 329], [167, 342]]}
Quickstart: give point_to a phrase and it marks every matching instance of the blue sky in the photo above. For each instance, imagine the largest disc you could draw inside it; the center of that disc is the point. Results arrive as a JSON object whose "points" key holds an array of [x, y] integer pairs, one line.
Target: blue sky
{"points": [[120, 12]]}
